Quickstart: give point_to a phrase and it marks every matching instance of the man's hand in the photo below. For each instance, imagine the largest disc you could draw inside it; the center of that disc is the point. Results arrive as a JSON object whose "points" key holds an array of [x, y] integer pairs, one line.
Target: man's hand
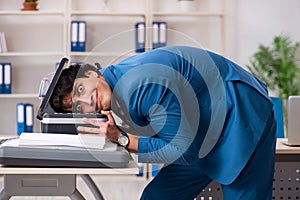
{"points": [[108, 128]]}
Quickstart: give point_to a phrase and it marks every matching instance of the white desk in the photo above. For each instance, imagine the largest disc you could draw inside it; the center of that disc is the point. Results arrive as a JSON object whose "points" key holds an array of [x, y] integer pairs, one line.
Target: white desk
{"points": [[281, 148], [20, 181], [285, 153], [130, 169]]}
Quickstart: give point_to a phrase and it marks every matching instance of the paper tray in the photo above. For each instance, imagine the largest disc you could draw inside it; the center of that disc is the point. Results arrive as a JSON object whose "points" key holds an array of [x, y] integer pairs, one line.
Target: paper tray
{"points": [[62, 156]]}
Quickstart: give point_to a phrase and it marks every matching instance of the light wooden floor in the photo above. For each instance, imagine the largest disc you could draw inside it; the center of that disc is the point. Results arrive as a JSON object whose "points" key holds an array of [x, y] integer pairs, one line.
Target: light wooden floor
{"points": [[112, 188]]}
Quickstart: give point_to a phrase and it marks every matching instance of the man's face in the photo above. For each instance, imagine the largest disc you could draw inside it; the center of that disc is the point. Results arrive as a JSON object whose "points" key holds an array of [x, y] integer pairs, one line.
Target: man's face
{"points": [[90, 94]]}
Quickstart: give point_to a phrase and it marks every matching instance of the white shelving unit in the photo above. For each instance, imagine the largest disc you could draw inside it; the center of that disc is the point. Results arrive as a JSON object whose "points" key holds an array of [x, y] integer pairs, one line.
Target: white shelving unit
{"points": [[37, 40]]}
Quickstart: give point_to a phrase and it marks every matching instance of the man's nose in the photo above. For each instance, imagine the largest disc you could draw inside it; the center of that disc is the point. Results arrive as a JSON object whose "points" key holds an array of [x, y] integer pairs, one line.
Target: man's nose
{"points": [[85, 99]]}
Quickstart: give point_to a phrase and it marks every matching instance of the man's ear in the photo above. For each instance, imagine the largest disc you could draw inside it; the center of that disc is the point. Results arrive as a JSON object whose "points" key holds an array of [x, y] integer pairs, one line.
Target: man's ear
{"points": [[91, 73]]}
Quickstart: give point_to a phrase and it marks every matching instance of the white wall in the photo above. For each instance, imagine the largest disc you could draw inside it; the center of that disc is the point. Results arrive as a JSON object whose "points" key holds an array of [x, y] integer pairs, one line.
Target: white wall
{"points": [[254, 22]]}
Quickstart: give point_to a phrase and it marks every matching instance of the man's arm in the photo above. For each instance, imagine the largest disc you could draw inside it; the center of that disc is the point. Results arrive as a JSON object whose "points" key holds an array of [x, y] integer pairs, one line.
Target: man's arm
{"points": [[110, 130]]}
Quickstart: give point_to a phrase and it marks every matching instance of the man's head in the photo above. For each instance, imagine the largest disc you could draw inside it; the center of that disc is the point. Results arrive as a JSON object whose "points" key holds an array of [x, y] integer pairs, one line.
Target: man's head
{"points": [[81, 88]]}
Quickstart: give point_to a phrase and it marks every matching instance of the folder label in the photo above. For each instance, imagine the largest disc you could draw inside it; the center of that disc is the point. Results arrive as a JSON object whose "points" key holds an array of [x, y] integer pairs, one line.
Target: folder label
{"points": [[20, 118], [155, 33], [162, 34], [81, 32], [20, 112], [155, 39], [140, 37], [74, 33], [29, 115], [141, 34]]}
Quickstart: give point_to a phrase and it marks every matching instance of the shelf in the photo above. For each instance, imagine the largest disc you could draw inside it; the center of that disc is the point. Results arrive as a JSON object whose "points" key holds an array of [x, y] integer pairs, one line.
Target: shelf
{"points": [[120, 54], [12, 54], [188, 14], [95, 13], [19, 12], [17, 96]]}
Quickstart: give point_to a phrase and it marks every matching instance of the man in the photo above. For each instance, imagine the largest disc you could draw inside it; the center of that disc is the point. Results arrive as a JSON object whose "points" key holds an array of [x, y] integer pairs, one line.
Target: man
{"points": [[199, 113]]}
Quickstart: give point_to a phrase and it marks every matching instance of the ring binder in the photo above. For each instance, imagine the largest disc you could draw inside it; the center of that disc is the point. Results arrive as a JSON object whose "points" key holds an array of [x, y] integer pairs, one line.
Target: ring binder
{"points": [[28, 118], [159, 34], [20, 113], [7, 78], [140, 37], [78, 36]]}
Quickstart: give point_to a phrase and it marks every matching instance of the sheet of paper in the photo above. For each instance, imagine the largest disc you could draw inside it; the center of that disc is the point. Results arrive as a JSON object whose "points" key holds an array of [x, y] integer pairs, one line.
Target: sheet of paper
{"points": [[54, 139]]}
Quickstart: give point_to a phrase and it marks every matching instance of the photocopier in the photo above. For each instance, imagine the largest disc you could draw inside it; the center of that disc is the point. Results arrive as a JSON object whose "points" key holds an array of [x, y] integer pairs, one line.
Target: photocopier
{"points": [[13, 154]]}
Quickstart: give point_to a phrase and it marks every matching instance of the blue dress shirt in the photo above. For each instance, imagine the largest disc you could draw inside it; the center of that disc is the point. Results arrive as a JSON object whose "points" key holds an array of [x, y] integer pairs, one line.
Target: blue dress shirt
{"points": [[190, 105]]}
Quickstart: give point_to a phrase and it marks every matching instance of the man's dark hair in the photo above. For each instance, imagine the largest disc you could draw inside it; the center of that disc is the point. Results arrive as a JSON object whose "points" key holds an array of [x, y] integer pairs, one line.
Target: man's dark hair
{"points": [[65, 83]]}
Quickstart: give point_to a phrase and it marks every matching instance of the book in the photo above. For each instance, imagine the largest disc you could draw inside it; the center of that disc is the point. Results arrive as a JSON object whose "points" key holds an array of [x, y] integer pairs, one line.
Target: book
{"points": [[53, 139], [3, 45]]}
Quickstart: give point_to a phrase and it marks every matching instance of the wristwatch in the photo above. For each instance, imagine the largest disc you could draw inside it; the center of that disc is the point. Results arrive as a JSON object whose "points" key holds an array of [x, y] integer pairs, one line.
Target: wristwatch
{"points": [[123, 139]]}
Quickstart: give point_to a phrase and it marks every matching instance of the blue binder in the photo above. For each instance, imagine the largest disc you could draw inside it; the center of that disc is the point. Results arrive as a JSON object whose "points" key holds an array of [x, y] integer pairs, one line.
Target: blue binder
{"points": [[20, 113], [6, 67], [82, 35], [74, 35], [28, 118], [78, 36], [140, 37], [159, 34], [162, 34], [155, 35], [1, 79]]}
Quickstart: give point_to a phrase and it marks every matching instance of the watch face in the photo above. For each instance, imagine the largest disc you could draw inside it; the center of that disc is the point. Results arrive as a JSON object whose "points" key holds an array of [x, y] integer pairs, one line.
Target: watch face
{"points": [[123, 140]]}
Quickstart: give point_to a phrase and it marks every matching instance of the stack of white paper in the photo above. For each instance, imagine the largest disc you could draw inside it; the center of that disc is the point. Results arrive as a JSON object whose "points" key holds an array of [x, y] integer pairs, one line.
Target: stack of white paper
{"points": [[53, 139]]}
